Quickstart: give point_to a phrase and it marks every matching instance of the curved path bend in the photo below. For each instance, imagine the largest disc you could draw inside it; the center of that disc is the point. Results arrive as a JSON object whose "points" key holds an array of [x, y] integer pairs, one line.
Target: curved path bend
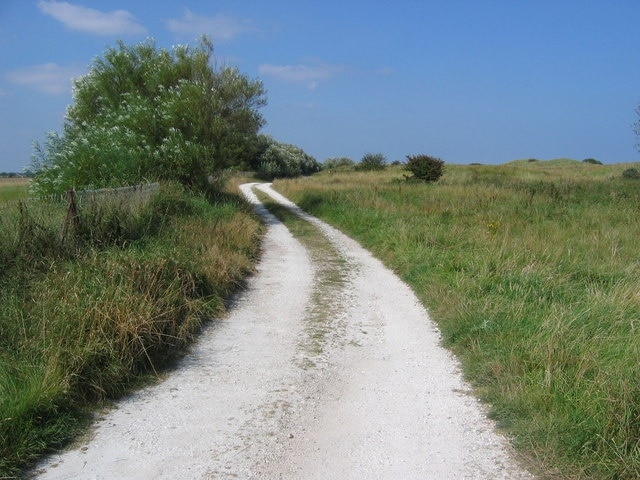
{"points": [[327, 367]]}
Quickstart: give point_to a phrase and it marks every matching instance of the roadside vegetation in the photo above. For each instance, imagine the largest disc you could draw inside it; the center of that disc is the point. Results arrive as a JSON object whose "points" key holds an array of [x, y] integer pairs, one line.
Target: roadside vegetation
{"points": [[531, 271], [95, 301], [84, 321]]}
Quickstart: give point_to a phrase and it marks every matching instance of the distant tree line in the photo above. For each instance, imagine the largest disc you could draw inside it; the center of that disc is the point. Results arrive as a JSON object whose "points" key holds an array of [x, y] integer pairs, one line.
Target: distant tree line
{"points": [[14, 175]]}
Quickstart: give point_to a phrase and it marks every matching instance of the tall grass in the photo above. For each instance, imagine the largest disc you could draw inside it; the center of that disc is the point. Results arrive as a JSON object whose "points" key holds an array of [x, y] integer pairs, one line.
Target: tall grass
{"points": [[531, 271], [81, 325]]}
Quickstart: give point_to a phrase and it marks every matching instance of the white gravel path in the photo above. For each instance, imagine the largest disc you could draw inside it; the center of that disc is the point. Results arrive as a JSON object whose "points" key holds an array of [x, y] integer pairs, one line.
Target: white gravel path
{"points": [[321, 371]]}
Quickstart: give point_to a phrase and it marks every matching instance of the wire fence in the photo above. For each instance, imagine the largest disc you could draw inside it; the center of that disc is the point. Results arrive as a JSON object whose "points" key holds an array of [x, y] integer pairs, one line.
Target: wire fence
{"points": [[71, 212]]}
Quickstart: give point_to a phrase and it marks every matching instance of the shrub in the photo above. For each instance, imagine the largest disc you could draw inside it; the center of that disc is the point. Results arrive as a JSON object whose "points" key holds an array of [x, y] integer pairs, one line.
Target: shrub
{"points": [[337, 162], [281, 160], [631, 173], [372, 161], [144, 113], [592, 161], [425, 167]]}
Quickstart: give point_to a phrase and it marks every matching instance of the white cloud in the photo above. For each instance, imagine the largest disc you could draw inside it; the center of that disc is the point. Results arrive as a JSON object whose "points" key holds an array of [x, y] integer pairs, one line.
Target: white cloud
{"points": [[310, 75], [83, 19], [48, 77], [220, 27]]}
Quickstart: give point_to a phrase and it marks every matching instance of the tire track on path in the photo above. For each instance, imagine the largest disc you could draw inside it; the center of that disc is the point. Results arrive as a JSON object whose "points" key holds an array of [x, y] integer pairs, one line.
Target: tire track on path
{"points": [[396, 406], [326, 367]]}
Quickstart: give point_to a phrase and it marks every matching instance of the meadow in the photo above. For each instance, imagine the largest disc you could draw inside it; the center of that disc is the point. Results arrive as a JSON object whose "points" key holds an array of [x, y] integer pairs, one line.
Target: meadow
{"points": [[530, 269], [84, 321], [13, 188]]}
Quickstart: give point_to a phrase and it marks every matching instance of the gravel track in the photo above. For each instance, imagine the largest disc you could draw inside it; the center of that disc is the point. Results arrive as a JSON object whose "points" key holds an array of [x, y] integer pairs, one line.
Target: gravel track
{"points": [[327, 367]]}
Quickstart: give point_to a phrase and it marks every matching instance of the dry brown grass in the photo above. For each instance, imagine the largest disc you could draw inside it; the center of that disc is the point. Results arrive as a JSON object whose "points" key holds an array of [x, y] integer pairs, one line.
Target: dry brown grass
{"points": [[14, 181]]}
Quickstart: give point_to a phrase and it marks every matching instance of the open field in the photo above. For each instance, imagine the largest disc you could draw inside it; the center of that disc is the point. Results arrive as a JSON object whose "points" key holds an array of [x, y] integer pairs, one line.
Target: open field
{"points": [[13, 188], [531, 271]]}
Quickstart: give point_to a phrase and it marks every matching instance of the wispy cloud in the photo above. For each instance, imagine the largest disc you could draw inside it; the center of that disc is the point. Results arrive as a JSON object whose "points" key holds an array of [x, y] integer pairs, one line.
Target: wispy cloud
{"points": [[221, 27], [49, 78], [83, 19], [307, 74]]}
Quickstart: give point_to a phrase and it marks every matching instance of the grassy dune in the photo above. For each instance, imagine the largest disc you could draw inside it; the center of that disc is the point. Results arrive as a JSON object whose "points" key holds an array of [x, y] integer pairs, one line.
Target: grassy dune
{"points": [[531, 271]]}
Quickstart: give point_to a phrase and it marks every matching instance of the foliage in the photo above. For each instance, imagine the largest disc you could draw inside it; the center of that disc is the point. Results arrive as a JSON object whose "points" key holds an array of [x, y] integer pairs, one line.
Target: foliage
{"points": [[337, 162], [631, 173], [425, 167], [143, 113], [282, 160], [86, 324], [372, 162], [592, 161], [260, 146], [542, 316]]}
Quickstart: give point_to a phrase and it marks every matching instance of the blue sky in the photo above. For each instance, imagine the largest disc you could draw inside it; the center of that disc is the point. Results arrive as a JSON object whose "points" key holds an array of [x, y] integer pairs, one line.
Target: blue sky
{"points": [[486, 81]]}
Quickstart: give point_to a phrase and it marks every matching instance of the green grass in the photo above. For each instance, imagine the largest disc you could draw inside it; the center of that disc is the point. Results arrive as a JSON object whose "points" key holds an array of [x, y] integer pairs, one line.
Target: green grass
{"points": [[83, 322], [531, 271], [13, 189]]}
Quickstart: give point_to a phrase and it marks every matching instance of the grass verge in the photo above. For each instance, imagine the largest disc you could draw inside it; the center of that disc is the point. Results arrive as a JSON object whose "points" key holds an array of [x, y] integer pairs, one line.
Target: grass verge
{"points": [[84, 325], [530, 269]]}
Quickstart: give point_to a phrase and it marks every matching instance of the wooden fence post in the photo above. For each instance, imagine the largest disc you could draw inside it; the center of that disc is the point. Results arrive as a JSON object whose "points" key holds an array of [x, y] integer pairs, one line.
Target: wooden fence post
{"points": [[72, 215]]}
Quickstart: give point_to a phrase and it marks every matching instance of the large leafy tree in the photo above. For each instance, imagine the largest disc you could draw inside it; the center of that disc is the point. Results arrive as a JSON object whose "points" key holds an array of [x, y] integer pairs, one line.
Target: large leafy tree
{"points": [[143, 113]]}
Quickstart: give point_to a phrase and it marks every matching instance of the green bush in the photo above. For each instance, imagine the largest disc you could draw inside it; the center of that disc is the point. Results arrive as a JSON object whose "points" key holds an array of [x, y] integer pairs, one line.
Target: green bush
{"points": [[631, 173], [144, 114], [592, 161], [337, 162], [425, 167], [281, 160], [372, 161]]}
